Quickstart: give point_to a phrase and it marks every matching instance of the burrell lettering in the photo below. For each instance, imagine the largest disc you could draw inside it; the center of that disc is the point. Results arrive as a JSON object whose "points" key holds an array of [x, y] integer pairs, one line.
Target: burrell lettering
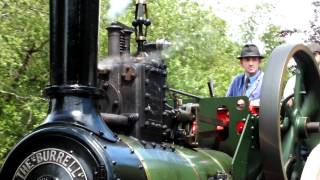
{"points": [[51, 156]]}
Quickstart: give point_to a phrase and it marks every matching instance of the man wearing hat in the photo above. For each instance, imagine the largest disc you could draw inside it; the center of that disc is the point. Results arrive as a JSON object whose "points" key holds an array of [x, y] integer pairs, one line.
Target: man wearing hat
{"points": [[248, 83]]}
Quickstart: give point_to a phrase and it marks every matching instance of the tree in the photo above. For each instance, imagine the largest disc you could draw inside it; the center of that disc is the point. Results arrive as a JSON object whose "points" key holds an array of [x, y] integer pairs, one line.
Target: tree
{"points": [[23, 67], [250, 31], [271, 38], [314, 33]]}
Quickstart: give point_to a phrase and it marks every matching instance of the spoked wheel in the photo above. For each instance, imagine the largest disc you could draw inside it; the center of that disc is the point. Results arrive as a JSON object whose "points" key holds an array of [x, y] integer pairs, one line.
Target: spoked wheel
{"points": [[288, 130]]}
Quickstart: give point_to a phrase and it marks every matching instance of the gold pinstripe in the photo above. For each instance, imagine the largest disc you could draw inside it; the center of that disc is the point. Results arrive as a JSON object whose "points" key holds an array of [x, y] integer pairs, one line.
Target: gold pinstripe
{"points": [[144, 164], [188, 160], [213, 159]]}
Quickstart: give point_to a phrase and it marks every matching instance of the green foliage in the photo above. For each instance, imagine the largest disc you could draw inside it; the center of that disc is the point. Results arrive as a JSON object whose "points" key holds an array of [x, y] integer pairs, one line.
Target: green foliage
{"points": [[23, 68], [271, 38], [314, 33], [250, 26]]}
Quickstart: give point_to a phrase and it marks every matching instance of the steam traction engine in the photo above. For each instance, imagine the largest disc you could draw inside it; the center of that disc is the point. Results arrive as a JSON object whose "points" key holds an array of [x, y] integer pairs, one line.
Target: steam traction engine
{"points": [[117, 122]]}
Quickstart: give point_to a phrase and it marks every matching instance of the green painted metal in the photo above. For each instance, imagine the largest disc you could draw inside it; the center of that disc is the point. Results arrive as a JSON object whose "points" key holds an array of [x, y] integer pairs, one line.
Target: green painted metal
{"points": [[163, 162], [298, 88], [246, 163], [286, 136], [207, 122], [288, 143]]}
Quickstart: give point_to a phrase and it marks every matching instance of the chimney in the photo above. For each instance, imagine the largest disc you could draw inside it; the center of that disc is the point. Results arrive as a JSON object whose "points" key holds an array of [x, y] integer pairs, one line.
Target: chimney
{"points": [[73, 65]]}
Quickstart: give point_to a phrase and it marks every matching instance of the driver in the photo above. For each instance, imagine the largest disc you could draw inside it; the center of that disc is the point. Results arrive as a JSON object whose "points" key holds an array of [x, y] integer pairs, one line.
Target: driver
{"points": [[248, 83]]}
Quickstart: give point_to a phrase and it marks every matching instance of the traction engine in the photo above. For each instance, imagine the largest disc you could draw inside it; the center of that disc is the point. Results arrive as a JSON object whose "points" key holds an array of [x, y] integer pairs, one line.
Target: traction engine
{"points": [[118, 119]]}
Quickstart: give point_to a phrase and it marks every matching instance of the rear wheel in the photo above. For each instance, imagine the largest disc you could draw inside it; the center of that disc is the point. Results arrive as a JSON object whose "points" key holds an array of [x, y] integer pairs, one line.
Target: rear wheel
{"points": [[288, 131]]}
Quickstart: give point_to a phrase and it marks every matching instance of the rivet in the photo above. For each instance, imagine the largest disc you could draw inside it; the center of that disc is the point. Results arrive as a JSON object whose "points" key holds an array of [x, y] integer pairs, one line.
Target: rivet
{"points": [[147, 95], [163, 146], [172, 148], [147, 123], [147, 81], [164, 133], [105, 85], [114, 163], [101, 133], [153, 145], [131, 151], [143, 143]]}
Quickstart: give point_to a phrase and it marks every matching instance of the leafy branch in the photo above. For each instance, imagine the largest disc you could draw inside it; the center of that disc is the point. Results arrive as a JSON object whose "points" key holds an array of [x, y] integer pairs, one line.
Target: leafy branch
{"points": [[27, 58], [22, 98]]}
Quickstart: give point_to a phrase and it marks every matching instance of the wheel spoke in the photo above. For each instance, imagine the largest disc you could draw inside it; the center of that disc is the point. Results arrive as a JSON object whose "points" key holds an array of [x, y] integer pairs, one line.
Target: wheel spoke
{"points": [[288, 143], [310, 105], [297, 89]]}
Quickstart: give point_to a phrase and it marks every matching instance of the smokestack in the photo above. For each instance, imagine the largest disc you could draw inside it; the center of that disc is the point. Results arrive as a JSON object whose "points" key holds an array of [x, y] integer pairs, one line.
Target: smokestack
{"points": [[73, 41], [73, 65]]}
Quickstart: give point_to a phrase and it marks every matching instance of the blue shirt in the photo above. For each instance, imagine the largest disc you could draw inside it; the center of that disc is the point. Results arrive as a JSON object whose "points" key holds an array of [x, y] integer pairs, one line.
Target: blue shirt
{"points": [[253, 92]]}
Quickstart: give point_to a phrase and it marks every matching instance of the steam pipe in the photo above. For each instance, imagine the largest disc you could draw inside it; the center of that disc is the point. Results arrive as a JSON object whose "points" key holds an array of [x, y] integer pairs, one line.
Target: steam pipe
{"points": [[127, 36], [114, 31], [185, 93]]}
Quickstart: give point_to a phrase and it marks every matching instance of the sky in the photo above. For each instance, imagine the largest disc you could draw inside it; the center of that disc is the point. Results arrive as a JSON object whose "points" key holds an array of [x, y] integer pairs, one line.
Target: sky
{"points": [[288, 14]]}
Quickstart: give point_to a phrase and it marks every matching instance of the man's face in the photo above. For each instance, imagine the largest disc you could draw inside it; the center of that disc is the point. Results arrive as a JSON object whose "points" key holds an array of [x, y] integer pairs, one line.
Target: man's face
{"points": [[250, 65]]}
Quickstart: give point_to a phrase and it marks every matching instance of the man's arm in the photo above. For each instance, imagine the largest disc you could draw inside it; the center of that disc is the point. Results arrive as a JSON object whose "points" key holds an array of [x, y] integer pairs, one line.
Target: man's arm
{"points": [[232, 90]]}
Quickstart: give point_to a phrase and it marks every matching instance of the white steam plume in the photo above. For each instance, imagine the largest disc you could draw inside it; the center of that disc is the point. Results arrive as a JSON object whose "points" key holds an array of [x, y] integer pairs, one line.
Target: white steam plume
{"points": [[117, 7]]}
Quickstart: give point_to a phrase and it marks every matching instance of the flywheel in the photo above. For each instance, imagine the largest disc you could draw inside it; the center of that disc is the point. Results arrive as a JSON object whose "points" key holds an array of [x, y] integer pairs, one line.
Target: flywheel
{"points": [[289, 126]]}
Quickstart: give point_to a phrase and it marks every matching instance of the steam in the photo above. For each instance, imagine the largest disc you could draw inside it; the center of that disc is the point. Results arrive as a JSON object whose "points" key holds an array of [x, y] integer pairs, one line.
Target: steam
{"points": [[117, 7]]}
